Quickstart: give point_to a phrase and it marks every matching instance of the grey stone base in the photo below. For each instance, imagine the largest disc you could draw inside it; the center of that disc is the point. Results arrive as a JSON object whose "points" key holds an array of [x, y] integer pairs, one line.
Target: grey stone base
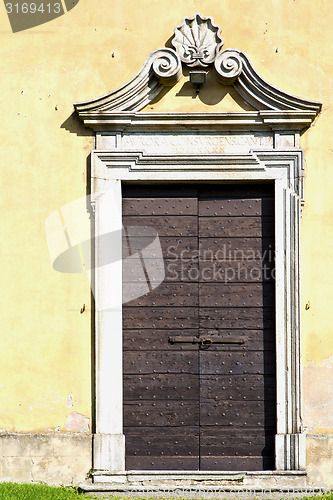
{"points": [[54, 459], [202, 484], [66, 459]]}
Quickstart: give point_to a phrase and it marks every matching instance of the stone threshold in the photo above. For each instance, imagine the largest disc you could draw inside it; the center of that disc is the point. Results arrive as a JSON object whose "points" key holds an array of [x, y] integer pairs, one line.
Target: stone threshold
{"points": [[205, 483]]}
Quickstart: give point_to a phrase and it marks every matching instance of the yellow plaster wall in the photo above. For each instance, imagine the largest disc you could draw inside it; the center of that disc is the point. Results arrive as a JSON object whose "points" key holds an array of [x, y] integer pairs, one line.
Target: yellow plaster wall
{"points": [[45, 360]]}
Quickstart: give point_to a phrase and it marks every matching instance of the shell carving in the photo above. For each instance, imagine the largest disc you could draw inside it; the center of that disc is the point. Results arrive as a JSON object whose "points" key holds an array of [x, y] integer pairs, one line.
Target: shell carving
{"points": [[197, 41]]}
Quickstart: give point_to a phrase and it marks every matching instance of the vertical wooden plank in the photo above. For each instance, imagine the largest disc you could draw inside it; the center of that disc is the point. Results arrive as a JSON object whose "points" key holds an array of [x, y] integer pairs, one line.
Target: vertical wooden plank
{"points": [[237, 385], [161, 391]]}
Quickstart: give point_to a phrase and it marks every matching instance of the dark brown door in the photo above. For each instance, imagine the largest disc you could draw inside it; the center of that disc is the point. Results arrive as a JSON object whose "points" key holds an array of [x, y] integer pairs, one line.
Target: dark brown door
{"points": [[199, 349]]}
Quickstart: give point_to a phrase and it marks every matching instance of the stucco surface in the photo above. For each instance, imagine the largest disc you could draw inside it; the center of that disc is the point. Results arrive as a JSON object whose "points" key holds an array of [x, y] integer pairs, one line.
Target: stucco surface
{"points": [[319, 459], [45, 356], [59, 459]]}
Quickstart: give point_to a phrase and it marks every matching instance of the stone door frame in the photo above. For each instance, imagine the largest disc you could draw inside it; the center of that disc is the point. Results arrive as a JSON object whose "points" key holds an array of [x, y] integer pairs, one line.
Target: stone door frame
{"points": [[115, 162]]}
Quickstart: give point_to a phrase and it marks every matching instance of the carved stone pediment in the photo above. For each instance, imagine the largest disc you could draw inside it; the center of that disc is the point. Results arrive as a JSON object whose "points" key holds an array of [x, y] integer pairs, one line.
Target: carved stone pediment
{"points": [[198, 42]]}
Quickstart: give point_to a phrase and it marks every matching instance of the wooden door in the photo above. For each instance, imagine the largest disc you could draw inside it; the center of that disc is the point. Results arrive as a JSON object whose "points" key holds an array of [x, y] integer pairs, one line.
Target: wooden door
{"points": [[236, 301], [161, 383], [199, 350]]}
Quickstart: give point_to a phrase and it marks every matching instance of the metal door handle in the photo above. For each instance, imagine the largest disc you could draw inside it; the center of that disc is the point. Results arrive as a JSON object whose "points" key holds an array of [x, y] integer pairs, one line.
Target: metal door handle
{"points": [[207, 340]]}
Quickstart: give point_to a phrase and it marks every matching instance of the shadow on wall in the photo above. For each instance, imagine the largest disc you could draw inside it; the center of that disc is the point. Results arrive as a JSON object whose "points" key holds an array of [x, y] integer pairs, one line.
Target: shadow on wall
{"points": [[211, 93], [75, 126]]}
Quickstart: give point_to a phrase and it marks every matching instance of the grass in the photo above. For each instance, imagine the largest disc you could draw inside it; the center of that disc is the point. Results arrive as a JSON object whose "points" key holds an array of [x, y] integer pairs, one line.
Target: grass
{"points": [[14, 491]]}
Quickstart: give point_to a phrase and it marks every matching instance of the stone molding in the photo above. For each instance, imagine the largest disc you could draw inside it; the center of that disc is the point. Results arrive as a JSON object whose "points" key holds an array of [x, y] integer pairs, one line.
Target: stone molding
{"points": [[284, 167], [233, 67], [161, 68], [198, 42], [247, 120]]}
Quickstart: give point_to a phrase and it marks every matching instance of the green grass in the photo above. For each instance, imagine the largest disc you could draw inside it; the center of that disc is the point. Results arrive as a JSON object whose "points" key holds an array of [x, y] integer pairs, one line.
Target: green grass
{"points": [[13, 491], [319, 497]]}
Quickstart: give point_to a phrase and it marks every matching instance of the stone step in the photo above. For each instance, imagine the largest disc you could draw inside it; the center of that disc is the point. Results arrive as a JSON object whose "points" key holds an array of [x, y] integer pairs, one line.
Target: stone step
{"points": [[203, 484]]}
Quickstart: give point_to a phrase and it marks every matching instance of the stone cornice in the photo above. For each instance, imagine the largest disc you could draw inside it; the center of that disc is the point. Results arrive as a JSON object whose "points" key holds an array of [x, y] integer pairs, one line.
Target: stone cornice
{"points": [[257, 120], [141, 161]]}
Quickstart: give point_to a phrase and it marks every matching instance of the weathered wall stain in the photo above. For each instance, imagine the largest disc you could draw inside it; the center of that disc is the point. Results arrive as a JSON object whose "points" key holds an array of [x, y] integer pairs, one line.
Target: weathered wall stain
{"points": [[77, 423], [319, 454], [59, 459], [318, 396]]}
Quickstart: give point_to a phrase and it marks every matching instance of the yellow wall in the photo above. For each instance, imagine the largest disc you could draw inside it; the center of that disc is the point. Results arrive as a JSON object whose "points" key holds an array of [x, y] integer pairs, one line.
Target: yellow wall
{"points": [[45, 341]]}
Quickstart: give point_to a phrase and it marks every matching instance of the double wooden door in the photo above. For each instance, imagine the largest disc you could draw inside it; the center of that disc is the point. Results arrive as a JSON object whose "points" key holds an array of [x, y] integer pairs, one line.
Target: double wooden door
{"points": [[199, 349]]}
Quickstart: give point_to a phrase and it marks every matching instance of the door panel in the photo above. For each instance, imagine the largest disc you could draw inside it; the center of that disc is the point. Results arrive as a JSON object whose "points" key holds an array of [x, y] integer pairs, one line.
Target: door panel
{"points": [[239, 249], [244, 294], [171, 225], [233, 205], [237, 228], [162, 448], [233, 387], [161, 383], [191, 405], [237, 463], [168, 295], [151, 339], [233, 271], [176, 386], [161, 413], [230, 318], [159, 317], [224, 441], [236, 363], [164, 205], [172, 246], [254, 227]]}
